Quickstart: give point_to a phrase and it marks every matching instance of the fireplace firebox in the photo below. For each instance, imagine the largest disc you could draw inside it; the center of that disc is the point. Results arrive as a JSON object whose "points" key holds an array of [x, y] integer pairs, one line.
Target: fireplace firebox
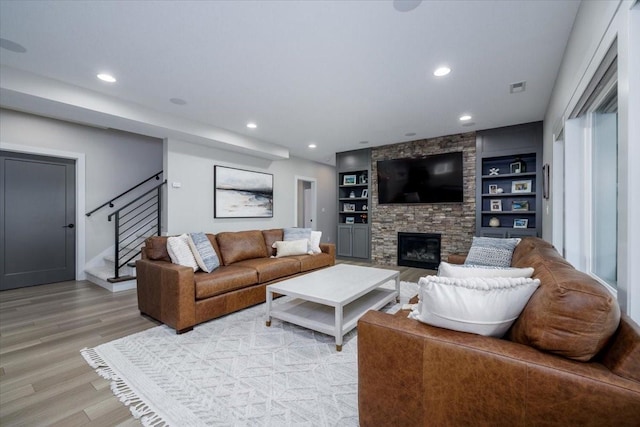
{"points": [[421, 250]]}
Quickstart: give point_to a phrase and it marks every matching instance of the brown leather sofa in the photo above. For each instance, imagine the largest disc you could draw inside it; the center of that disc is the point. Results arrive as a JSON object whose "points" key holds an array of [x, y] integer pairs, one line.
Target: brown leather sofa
{"points": [[570, 359], [180, 298]]}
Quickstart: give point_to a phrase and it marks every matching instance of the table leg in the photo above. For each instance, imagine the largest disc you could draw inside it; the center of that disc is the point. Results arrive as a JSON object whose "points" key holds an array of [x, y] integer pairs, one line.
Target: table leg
{"points": [[269, 299], [338, 329]]}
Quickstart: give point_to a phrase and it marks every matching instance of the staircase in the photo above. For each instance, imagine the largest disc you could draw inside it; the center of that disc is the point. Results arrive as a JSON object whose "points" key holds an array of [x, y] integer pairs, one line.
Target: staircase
{"points": [[133, 223]]}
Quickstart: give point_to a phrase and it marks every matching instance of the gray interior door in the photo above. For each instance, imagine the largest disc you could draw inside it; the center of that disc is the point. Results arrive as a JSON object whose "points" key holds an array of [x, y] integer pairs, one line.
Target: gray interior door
{"points": [[37, 216]]}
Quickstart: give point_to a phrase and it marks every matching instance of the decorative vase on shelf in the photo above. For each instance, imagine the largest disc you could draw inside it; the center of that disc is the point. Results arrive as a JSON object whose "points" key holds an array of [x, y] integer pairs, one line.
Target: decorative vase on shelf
{"points": [[352, 194], [494, 222]]}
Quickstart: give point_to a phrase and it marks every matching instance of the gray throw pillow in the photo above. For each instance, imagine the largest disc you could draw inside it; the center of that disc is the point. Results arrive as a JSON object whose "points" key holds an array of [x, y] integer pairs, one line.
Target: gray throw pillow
{"points": [[203, 252], [491, 251], [296, 233]]}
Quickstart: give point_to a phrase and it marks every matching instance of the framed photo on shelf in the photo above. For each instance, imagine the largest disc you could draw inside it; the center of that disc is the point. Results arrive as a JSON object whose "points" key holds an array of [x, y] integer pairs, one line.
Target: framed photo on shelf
{"points": [[496, 205], [365, 193], [520, 223], [516, 167], [519, 205], [493, 189], [349, 180], [523, 186], [349, 207], [349, 220]]}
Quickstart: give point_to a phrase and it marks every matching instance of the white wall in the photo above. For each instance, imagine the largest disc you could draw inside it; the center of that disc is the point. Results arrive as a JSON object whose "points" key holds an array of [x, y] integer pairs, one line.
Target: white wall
{"points": [[597, 25], [190, 207], [114, 162]]}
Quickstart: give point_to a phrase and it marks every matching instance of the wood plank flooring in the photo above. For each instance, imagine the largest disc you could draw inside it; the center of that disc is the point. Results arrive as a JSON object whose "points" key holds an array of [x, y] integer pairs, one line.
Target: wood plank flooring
{"points": [[43, 378]]}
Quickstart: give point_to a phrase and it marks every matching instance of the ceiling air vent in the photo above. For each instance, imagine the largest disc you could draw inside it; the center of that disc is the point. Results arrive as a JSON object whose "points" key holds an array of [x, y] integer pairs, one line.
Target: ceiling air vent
{"points": [[517, 87]]}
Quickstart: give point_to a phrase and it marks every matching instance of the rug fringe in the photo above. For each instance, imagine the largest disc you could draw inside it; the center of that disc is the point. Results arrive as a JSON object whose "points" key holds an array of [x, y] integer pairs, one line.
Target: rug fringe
{"points": [[138, 408]]}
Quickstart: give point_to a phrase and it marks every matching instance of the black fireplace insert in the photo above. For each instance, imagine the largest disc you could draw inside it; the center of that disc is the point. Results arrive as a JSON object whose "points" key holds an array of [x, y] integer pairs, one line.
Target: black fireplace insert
{"points": [[420, 250]]}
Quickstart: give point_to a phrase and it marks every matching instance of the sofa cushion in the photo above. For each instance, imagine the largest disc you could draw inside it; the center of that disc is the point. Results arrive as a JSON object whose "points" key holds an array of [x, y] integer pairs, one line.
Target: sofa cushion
{"points": [[491, 251], [526, 245], [571, 314], [270, 237], [224, 279], [271, 268], [203, 252], [484, 306], [155, 248], [180, 252], [241, 245], [469, 270], [311, 262]]}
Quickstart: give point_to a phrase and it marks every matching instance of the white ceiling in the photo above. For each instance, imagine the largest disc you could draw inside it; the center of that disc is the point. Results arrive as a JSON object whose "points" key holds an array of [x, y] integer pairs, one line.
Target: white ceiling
{"points": [[329, 72]]}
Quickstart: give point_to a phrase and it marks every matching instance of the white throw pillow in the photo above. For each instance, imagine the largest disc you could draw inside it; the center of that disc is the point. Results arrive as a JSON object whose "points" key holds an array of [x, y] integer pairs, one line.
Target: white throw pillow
{"points": [[484, 306], [314, 242], [291, 247], [180, 252], [464, 271]]}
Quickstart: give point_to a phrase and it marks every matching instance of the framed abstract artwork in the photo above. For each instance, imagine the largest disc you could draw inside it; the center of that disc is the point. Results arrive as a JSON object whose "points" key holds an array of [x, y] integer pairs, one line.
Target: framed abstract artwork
{"points": [[240, 193]]}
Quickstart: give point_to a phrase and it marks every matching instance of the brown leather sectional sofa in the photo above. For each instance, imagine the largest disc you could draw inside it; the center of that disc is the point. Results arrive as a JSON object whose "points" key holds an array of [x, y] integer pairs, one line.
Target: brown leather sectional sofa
{"points": [[180, 298], [570, 359]]}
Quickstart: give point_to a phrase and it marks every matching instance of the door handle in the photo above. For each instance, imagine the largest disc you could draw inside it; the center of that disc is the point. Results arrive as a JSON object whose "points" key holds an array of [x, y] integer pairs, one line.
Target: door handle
{"points": [[68, 226]]}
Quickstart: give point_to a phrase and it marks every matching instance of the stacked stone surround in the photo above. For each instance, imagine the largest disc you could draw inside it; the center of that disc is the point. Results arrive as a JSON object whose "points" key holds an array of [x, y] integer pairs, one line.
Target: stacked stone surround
{"points": [[454, 221]]}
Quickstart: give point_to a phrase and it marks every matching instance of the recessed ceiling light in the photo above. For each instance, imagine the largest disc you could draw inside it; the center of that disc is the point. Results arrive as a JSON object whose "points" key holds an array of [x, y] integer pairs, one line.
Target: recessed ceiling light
{"points": [[312, 146], [518, 87], [178, 101], [106, 78], [441, 71], [252, 125], [363, 142], [410, 134], [465, 117]]}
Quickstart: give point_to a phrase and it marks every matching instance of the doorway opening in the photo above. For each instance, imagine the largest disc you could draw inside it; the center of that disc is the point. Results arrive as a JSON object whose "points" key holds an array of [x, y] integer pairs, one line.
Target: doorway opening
{"points": [[305, 202]]}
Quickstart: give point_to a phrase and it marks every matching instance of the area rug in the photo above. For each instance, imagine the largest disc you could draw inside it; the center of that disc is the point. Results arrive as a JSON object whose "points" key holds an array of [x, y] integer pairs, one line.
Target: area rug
{"points": [[235, 371]]}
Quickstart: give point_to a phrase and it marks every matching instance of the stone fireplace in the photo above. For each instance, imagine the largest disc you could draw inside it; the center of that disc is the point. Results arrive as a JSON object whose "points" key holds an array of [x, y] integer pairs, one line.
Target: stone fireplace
{"points": [[454, 222], [421, 250]]}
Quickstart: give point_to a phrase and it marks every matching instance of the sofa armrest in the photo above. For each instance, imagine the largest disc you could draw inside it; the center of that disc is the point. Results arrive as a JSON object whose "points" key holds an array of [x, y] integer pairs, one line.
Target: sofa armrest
{"points": [[329, 248], [410, 373], [166, 292], [456, 258]]}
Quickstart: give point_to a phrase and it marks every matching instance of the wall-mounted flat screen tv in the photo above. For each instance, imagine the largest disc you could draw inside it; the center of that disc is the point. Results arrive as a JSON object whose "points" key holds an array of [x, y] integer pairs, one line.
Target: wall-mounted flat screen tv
{"points": [[431, 179]]}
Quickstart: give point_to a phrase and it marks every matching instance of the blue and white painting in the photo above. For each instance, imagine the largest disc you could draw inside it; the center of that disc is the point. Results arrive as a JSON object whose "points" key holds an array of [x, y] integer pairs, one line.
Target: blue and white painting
{"points": [[242, 194]]}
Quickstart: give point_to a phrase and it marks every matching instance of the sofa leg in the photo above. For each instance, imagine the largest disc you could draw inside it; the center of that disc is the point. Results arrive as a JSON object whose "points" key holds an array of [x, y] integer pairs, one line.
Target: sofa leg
{"points": [[182, 331]]}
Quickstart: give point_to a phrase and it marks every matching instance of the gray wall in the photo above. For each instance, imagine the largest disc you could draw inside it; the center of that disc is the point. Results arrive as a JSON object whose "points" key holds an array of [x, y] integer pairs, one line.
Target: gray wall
{"points": [[190, 206], [114, 162]]}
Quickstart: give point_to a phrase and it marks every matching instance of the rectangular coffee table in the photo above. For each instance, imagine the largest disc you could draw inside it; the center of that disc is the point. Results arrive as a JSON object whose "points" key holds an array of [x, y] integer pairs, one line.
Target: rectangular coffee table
{"points": [[332, 300]]}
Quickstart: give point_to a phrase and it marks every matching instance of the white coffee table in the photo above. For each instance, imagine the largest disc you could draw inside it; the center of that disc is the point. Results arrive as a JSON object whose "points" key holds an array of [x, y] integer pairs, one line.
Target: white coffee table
{"points": [[332, 300]]}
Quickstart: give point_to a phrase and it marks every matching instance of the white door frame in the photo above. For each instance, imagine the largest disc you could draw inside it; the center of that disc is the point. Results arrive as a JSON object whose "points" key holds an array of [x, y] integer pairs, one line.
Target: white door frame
{"points": [[80, 193], [314, 199]]}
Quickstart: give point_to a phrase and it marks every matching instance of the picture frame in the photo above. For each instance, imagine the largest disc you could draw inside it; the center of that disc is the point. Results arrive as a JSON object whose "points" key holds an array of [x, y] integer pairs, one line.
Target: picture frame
{"points": [[349, 207], [365, 193], [495, 205], [523, 186], [516, 167], [349, 220], [239, 193], [519, 205], [362, 179], [493, 188], [520, 223], [349, 180]]}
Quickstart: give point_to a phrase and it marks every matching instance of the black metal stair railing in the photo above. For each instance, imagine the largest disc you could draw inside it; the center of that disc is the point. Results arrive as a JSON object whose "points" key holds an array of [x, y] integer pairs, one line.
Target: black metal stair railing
{"points": [[124, 193], [134, 222]]}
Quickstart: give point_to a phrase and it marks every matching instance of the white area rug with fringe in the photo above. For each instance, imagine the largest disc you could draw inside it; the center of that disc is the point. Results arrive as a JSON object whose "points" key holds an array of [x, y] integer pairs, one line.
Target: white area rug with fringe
{"points": [[235, 371]]}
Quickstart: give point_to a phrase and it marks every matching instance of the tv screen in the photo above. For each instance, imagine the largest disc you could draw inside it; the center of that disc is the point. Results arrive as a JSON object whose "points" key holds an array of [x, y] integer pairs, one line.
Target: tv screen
{"points": [[431, 179]]}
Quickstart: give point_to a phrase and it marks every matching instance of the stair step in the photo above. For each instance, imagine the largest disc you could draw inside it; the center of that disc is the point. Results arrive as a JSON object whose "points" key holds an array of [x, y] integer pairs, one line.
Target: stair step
{"points": [[120, 279]]}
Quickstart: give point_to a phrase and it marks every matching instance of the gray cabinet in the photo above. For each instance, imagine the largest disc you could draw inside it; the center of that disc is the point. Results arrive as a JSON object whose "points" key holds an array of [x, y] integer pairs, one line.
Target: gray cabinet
{"points": [[353, 175], [509, 181], [353, 241]]}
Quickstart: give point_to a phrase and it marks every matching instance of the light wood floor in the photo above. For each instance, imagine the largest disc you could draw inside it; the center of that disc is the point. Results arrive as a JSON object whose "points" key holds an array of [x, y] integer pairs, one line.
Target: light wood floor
{"points": [[43, 378]]}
